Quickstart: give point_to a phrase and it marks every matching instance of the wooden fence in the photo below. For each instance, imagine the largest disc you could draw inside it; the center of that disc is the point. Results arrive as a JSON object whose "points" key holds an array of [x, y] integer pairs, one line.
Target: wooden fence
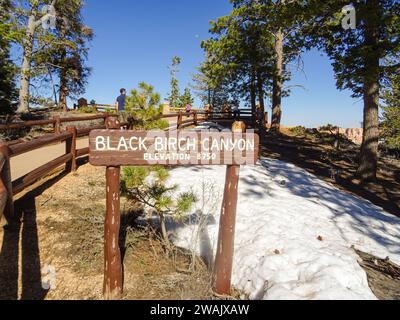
{"points": [[9, 188], [8, 150], [193, 118]]}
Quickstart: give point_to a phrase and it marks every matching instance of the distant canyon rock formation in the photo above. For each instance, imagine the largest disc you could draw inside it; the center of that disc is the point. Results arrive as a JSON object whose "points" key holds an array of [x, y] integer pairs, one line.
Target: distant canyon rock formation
{"points": [[353, 134]]}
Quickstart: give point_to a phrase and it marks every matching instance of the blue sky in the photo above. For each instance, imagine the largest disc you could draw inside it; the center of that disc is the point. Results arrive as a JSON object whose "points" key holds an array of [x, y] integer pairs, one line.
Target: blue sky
{"points": [[135, 41]]}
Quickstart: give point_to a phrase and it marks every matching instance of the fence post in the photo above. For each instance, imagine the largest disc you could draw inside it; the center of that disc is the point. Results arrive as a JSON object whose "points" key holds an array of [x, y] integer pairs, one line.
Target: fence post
{"points": [[6, 194], [57, 124], [180, 119], [71, 148], [195, 118], [222, 273], [106, 116], [113, 285]]}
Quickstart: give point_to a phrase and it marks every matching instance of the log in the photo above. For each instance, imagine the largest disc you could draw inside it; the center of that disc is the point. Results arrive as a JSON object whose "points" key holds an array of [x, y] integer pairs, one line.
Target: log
{"points": [[87, 118], [26, 124]]}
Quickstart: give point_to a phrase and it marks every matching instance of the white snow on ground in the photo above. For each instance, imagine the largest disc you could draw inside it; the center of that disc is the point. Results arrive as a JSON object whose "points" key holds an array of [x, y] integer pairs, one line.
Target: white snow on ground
{"points": [[282, 211]]}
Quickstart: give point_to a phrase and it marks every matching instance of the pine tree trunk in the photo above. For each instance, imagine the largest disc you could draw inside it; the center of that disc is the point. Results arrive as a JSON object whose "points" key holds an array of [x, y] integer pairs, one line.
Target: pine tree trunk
{"points": [[370, 147], [253, 98], [260, 87], [23, 106], [63, 73], [164, 231], [63, 85], [63, 97], [277, 84]]}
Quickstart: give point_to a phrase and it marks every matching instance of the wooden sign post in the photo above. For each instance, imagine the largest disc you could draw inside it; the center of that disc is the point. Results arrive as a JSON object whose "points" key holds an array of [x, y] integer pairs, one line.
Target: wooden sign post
{"points": [[112, 287], [116, 148]]}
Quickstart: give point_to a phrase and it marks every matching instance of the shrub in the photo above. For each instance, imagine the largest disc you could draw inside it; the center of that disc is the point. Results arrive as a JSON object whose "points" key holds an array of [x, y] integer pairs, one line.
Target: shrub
{"points": [[147, 186], [298, 131]]}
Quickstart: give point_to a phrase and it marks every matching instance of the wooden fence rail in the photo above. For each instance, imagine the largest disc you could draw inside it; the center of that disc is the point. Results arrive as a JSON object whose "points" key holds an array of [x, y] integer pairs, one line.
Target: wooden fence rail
{"points": [[9, 188], [8, 150], [56, 121]]}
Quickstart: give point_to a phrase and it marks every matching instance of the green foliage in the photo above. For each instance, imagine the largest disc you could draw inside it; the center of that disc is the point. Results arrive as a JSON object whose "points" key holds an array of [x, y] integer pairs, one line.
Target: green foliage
{"points": [[7, 68], [391, 127], [68, 55], [240, 58], [148, 186], [186, 98], [391, 113], [143, 104], [353, 53], [173, 97], [87, 109], [329, 127], [298, 131], [185, 202]]}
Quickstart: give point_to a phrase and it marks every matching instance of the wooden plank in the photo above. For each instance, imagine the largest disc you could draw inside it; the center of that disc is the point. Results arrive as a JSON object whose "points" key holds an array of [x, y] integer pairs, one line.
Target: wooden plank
{"points": [[82, 152], [30, 178], [87, 118], [21, 148], [120, 148]]}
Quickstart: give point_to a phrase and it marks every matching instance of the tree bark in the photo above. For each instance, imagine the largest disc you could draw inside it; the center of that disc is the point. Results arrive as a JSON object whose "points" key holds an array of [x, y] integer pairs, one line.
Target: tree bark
{"points": [[260, 88], [164, 232], [63, 85], [370, 147], [63, 73], [253, 98], [23, 106], [277, 83]]}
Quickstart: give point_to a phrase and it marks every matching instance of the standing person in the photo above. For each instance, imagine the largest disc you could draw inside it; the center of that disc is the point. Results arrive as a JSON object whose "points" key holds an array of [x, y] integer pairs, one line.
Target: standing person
{"points": [[188, 108], [236, 112], [121, 100]]}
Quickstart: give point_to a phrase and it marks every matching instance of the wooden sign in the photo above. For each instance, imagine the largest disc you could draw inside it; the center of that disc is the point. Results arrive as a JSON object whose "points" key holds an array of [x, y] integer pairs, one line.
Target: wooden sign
{"points": [[114, 148], [121, 148]]}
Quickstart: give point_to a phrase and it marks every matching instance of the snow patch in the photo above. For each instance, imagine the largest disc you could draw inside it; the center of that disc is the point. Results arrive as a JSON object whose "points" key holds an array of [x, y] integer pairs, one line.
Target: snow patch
{"points": [[293, 239]]}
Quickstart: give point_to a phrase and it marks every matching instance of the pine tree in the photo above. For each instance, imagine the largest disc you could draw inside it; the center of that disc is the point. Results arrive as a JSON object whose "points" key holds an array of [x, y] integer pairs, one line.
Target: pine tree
{"points": [[186, 98], [391, 113], [143, 104], [174, 94], [69, 59], [7, 70], [363, 58]]}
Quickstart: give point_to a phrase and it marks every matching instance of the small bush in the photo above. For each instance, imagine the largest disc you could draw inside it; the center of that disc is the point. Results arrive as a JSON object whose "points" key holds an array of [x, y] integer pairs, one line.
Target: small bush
{"points": [[147, 186], [87, 109], [298, 131]]}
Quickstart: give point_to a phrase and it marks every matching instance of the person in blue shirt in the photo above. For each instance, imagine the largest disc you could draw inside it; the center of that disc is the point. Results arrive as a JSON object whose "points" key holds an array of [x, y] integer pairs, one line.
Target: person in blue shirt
{"points": [[121, 100]]}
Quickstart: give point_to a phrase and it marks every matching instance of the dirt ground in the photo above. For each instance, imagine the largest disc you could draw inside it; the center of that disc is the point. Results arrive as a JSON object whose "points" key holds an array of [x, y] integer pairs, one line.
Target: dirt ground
{"points": [[62, 227]]}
